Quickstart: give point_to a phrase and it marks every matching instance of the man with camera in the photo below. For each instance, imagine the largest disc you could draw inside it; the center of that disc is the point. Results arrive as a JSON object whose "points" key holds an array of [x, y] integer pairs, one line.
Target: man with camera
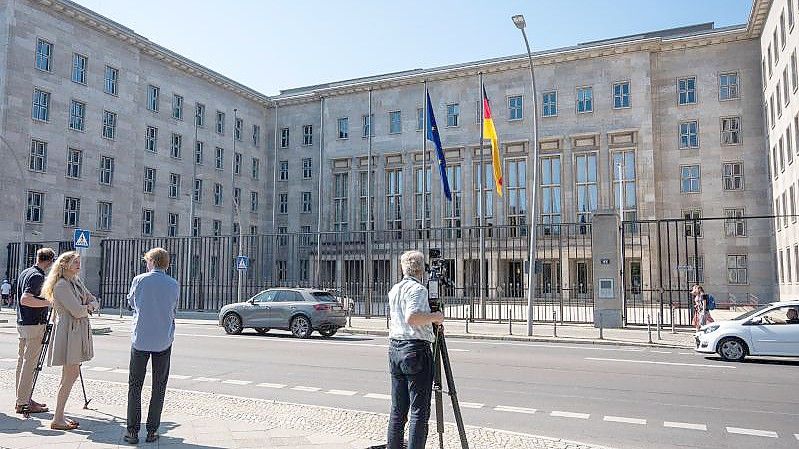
{"points": [[410, 354]]}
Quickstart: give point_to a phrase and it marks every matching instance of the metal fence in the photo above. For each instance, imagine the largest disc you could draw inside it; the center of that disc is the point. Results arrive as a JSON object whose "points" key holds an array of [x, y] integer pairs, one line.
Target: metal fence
{"points": [[13, 253]]}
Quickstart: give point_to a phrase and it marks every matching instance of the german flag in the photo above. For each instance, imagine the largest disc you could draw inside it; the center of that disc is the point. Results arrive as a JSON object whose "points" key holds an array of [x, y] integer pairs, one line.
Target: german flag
{"points": [[489, 132]]}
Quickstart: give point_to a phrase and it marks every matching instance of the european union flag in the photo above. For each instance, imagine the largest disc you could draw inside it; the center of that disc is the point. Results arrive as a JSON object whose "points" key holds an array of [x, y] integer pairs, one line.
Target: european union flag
{"points": [[432, 135]]}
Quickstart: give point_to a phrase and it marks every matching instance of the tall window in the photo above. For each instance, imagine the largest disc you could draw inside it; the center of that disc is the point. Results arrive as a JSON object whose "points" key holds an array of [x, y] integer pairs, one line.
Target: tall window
{"points": [[109, 124], [422, 197], [686, 90], [38, 159], [307, 135], [283, 171], [363, 206], [253, 201], [199, 114], [731, 130], [79, 63], [74, 163], [256, 135], [220, 122], [340, 200], [199, 151], [586, 186], [219, 158], [147, 216], [237, 163], [733, 176], [515, 108], [196, 227], [237, 127], [792, 198], [690, 181], [41, 105], [153, 94], [35, 206], [236, 199], [517, 196], [111, 80], [550, 194], [71, 211], [176, 149], [307, 205], [550, 104], [366, 125], [789, 144], [624, 184], [734, 224], [394, 199], [149, 180], [307, 168], [621, 95], [104, 215], [284, 138], [218, 194], [585, 99], [283, 203], [786, 86], [395, 122], [452, 209], [197, 195], [689, 134], [106, 170], [728, 86], [692, 223], [174, 185], [172, 225], [696, 271], [453, 114], [737, 269], [151, 139], [44, 55], [256, 168], [484, 191], [177, 106], [216, 229], [343, 128], [77, 115]]}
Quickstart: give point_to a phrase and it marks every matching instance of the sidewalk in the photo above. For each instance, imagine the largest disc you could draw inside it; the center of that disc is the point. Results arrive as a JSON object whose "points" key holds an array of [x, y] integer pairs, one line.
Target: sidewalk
{"points": [[199, 420]]}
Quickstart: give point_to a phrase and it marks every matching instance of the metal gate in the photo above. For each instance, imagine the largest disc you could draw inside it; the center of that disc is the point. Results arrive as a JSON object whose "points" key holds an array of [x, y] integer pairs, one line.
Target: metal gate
{"points": [[12, 254]]}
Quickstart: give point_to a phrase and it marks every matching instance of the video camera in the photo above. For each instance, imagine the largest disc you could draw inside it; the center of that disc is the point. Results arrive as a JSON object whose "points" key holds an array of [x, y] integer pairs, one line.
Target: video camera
{"points": [[436, 278]]}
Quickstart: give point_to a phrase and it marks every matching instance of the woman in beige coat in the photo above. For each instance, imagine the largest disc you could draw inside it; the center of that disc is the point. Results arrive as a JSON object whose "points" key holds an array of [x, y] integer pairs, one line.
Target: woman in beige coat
{"points": [[72, 335]]}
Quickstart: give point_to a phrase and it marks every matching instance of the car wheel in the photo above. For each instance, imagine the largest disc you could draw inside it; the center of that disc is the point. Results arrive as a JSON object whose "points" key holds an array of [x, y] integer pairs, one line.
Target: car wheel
{"points": [[732, 349], [301, 326], [262, 330], [232, 324], [328, 331]]}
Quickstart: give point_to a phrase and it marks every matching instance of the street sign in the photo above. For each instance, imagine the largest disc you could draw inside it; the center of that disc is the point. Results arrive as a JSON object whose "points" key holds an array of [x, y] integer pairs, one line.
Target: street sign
{"points": [[81, 238], [242, 263]]}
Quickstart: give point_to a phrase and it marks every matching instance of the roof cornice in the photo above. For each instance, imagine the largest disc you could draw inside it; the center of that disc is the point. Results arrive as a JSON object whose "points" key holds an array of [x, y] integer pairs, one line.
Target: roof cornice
{"points": [[757, 18]]}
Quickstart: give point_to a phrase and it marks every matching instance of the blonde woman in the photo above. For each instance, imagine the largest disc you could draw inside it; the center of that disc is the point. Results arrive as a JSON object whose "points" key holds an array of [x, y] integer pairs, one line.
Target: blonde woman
{"points": [[72, 335]]}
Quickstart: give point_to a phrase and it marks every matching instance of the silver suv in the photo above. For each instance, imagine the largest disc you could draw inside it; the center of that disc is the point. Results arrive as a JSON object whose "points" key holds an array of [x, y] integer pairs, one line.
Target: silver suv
{"points": [[299, 310]]}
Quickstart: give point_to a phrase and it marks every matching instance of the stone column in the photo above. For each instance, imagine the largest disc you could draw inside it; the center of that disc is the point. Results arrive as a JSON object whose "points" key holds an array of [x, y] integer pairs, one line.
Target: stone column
{"points": [[606, 269]]}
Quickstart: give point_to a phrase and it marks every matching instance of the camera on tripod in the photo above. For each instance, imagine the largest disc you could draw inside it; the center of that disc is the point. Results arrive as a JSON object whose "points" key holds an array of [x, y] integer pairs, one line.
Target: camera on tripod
{"points": [[436, 278]]}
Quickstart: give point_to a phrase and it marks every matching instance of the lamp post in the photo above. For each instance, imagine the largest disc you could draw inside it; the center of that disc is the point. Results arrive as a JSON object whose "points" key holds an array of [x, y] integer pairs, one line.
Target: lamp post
{"points": [[518, 20]]}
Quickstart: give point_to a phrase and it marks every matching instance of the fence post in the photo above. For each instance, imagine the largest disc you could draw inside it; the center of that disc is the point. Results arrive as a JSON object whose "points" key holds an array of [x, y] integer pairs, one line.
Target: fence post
{"points": [[467, 326], [660, 323], [510, 323], [671, 312], [601, 327], [649, 326], [554, 323]]}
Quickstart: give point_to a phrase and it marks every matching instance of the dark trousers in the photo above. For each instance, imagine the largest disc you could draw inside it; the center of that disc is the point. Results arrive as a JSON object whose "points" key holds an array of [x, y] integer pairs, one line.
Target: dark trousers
{"points": [[138, 369], [411, 367]]}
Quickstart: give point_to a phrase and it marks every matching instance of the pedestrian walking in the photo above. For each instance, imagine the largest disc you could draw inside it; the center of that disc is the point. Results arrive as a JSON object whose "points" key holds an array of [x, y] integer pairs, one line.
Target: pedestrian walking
{"points": [[32, 314], [72, 335], [153, 296], [410, 355], [701, 307], [5, 293]]}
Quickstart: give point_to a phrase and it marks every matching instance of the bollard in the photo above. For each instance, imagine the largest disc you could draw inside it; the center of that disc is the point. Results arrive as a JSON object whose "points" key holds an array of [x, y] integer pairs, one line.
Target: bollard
{"points": [[601, 327], [660, 323], [467, 326], [671, 314], [649, 326], [554, 323], [510, 323]]}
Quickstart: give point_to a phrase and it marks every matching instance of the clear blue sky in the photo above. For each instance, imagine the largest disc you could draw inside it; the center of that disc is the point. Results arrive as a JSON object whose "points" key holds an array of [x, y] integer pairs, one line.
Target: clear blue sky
{"points": [[271, 45]]}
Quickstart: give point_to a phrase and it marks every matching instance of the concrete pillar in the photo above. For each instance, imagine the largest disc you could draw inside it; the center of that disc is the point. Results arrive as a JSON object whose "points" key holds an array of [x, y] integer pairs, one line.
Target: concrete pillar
{"points": [[606, 269]]}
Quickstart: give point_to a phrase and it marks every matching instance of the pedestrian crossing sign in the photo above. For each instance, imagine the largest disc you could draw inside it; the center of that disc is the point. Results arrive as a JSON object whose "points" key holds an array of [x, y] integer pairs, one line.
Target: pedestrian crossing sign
{"points": [[81, 238], [242, 263]]}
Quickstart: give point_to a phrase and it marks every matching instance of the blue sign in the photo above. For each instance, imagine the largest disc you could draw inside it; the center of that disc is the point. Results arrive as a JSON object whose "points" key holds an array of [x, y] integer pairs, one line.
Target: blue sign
{"points": [[81, 238], [242, 263]]}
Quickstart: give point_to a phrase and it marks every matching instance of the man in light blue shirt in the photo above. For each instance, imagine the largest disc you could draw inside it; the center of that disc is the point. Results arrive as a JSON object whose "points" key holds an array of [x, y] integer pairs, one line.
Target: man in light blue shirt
{"points": [[153, 296]]}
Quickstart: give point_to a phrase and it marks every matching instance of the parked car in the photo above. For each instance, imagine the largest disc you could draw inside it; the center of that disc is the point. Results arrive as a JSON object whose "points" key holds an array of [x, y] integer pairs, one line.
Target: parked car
{"points": [[769, 330], [299, 310]]}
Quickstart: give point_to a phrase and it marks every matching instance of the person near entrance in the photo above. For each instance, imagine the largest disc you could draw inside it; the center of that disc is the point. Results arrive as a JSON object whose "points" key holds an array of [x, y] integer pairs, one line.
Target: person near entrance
{"points": [[32, 316], [5, 293]]}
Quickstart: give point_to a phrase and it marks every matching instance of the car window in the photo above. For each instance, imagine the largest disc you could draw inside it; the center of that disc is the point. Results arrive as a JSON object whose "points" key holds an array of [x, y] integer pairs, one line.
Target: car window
{"points": [[267, 296], [780, 315], [323, 297], [752, 312], [284, 296]]}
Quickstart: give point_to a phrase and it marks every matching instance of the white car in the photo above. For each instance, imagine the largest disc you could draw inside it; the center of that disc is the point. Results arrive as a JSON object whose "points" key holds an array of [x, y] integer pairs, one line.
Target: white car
{"points": [[769, 330]]}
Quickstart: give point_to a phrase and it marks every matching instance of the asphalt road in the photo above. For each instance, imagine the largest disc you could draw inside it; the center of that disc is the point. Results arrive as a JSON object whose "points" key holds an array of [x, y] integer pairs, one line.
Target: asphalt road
{"points": [[621, 397]]}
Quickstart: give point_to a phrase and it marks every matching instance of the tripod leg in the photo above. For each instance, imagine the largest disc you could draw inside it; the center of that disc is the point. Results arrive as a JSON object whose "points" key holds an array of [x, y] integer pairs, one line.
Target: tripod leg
{"points": [[39, 365], [453, 395], [438, 389], [83, 387]]}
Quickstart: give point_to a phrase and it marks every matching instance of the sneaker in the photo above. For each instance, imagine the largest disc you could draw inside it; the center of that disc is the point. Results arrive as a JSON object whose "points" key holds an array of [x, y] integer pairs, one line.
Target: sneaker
{"points": [[131, 437], [151, 437]]}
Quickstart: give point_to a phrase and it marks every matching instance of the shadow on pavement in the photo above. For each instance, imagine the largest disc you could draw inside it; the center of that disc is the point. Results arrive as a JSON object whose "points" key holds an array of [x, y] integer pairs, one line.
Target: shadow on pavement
{"points": [[761, 361], [288, 335]]}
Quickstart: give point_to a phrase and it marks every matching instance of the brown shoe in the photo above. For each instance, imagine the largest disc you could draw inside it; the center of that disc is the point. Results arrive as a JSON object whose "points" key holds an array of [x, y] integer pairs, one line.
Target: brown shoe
{"points": [[34, 403], [33, 408]]}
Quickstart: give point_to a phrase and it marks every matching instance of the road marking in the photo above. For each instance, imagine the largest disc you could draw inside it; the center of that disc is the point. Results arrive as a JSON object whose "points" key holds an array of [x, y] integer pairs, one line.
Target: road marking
{"points": [[8, 360], [342, 392], [236, 382], [651, 362], [99, 368], [299, 341], [685, 353], [797, 436], [752, 432], [301, 388], [508, 408], [120, 371], [569, 415], [471, 405], [660, 352], [624, 420], [179, 377], [386, 397], [206, 379], [543, 345], [684, 425], [268, 385]]}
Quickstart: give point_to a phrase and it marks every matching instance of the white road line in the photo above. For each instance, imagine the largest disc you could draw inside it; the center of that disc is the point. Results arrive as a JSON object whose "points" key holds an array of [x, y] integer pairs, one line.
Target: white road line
{"points": [[624, 420], [179, 377], [120, 371], [684, 425], [752, 432], [544, 345], [569, 415], [386, 397], [342, 392], [471, 405], [301, 388], [685, 353], [508, 408], [797, 436], [268, 385], [206, 379], [651, 362], [8, 360], [99, 368], [660, 352], [236, 382]]}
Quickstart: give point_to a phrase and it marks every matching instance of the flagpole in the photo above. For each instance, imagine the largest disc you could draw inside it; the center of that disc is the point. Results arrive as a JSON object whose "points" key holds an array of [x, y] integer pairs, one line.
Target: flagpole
{"points": [[319, 194], [369, 227], [481, 206], [424, 170]]}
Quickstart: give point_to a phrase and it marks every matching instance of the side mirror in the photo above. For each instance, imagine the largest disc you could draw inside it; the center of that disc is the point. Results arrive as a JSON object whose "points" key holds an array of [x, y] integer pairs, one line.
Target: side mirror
{"points": [[251, 300]]}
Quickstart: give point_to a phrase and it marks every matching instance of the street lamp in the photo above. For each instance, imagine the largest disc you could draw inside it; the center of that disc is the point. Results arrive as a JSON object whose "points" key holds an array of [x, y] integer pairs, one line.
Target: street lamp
{"points": [[520, 23]]}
